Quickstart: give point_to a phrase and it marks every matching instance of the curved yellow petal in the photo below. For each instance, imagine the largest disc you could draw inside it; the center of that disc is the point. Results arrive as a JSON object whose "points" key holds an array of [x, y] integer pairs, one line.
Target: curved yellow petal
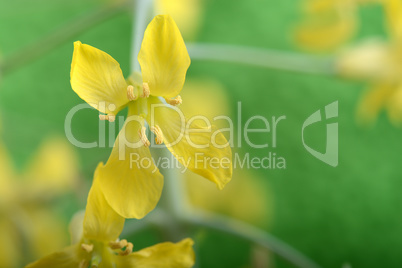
{"points": [[203, 150], [67, 258], [163, 57], [130, 181], [97, 78], [163, 255], [101, 222]]}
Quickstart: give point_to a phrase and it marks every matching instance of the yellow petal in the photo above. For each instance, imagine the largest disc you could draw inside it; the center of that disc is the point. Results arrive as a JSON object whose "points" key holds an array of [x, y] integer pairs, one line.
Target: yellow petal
{"points": [[76, 228], [67, 258], [394, 107], [130, 181], [54, 169], [97, 78], [163, 57], [163, 255], [328, 24], [101, 222], [323, 38], [203, 150], [370, 60], [372, 102], [393, 10], [205, 97]]}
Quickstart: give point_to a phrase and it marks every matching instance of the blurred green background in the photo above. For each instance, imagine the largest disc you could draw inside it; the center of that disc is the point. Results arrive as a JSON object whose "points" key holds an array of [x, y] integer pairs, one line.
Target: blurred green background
{"points": [[350, 214]]}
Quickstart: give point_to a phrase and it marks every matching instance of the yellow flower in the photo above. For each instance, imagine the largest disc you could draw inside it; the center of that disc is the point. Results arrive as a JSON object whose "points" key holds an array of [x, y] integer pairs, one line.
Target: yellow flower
{"points": [[99, 245], [187, 14], [133, 188], [328, 23], [380, 63], [245, 184], [29, 228]]}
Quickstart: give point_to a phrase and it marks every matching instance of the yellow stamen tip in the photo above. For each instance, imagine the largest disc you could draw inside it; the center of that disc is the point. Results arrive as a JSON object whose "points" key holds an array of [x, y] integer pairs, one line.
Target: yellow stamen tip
{"points": [[175, 102], [158, 133], [128, 250], [118, 244], [130, 93], [145, 90], [110, 117], [87, 248], [143, 136]]}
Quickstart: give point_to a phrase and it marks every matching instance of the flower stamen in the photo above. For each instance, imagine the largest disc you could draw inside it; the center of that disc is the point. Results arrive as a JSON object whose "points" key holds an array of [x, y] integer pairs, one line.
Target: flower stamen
{"points": [[130, 93], [145, 90], [158, 133], [174, 102], [110, 117], [143, 136], [118, 244], [87, 248], [128, 250]]}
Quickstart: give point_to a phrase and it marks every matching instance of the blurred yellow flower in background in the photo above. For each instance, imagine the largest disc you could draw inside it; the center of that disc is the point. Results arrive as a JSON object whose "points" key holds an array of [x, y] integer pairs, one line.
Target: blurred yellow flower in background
{"points": [[380, 63], [256, 205], [188, 14], [245, 198], [328, 23], [96, 233], [97, 78], [29, 228]]}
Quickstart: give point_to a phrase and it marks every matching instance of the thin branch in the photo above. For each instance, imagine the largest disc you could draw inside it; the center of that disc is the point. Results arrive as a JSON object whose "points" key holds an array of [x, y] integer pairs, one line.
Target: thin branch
{"points": [[60, 36], [250, 233], [143, 10], [266, 58]]}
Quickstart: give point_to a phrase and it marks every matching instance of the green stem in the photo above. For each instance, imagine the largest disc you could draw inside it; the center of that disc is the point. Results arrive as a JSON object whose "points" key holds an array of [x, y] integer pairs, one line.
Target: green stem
{"points": [[250, 233], [143, 10], [174, 197], [280, 60], [60, 36]]}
